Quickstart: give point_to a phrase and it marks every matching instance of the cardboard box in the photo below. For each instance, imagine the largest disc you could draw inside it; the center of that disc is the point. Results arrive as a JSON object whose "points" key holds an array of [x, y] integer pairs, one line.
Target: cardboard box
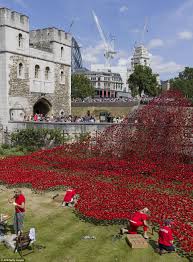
{"points": [[136, 241]]}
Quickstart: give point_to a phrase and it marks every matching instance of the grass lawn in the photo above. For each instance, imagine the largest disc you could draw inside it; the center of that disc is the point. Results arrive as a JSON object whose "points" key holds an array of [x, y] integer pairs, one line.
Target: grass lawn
{"points": [[60, 231]]}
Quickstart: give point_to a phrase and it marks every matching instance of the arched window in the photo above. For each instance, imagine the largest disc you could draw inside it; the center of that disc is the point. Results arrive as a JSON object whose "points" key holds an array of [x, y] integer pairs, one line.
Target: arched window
{"points": [[20, 70], [37, 71], [47, 73], [62, 79], [20, 40], [62, 51]]}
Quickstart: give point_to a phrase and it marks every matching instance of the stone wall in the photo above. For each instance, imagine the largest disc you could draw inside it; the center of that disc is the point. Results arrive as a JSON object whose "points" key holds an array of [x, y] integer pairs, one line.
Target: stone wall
{"points": [[20, 87], [1, 137], [67, 128], [62, 97]]}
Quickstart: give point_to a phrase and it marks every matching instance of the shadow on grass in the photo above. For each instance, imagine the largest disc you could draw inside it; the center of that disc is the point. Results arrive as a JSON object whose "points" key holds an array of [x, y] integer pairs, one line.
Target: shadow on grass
{"points": [[153, 244]]}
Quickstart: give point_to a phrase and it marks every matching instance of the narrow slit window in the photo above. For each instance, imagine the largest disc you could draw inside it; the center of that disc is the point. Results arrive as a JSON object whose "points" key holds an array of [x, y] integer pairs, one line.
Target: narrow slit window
{"points": [[37, 71], [20, 70], [47, 73], [20, 40]]}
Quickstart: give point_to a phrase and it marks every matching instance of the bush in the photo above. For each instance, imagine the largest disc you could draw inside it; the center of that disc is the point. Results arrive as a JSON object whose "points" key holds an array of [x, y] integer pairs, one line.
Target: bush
{"points": [[5, 146], [33, 139]]}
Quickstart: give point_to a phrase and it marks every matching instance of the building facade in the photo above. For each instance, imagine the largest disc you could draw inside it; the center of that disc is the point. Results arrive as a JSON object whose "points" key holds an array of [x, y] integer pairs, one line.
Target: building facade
{"points": [[76, 56], [106, 83], [35, 69], [140, 57]]}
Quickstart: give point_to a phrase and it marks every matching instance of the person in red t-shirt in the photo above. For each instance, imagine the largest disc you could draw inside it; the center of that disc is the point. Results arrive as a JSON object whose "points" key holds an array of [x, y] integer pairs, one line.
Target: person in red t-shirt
{"points": [[138, 219], [165, 240], [69, 197], [36, 117], [19, 202]]}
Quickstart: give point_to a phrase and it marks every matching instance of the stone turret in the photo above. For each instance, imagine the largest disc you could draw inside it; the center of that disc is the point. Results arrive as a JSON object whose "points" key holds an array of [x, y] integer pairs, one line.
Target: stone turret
{"points": [[53, 40], [14, 19]]}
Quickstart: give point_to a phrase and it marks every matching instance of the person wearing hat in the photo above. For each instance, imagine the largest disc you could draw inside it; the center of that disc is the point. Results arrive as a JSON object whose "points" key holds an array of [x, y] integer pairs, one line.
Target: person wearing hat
{"points": [[19, 202], [165, 240], [138, 219]]}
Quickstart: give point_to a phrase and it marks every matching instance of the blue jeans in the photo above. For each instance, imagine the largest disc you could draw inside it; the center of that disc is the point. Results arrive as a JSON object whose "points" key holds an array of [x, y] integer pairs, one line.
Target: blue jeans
{"points": [[167, 248], [18, 222]]}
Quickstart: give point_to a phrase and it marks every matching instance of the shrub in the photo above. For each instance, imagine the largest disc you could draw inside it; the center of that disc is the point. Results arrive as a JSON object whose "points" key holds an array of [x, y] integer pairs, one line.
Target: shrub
{"points": [[32, 139], [5, 146]]}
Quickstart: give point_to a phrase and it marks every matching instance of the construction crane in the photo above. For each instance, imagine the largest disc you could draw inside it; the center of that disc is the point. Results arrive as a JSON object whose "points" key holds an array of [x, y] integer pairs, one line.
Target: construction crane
{"points": [[109, 47], [144, 31]]}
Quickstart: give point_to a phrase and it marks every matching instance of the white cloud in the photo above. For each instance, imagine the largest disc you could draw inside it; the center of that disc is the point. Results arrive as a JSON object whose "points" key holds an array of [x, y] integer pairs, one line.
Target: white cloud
{"points": [[156, 42], [94, 55], [123, 9], [159, 65], [135, 30], [185, 35], [91, 54], [122, 62]]}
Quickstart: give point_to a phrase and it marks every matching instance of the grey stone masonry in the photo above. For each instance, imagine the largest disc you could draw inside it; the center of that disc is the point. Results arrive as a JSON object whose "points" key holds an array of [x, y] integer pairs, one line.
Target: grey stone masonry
{"points": [[35, 69]]}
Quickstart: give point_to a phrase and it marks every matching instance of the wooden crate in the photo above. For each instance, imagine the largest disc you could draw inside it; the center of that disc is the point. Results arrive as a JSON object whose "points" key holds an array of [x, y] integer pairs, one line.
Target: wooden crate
{"points": [[136, 241]]}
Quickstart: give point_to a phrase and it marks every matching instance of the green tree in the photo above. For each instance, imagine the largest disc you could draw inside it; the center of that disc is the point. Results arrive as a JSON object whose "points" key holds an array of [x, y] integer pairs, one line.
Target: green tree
{"points": [[184, 82], [81, 86], [143, 80]]}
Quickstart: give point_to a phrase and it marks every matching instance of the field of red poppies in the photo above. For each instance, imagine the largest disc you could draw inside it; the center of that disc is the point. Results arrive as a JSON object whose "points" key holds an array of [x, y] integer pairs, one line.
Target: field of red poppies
{"points": [[144, 162]]}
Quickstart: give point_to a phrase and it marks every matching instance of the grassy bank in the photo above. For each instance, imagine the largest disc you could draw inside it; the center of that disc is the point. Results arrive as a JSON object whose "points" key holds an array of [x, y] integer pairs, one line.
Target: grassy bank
{"points": [[6, 150], [95, 111], [60, 232]]}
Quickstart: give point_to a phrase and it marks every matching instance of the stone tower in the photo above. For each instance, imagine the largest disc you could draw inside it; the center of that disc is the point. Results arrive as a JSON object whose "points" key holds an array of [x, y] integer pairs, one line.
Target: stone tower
{"points": [[140, 57], [35, 69], [14, 35]]}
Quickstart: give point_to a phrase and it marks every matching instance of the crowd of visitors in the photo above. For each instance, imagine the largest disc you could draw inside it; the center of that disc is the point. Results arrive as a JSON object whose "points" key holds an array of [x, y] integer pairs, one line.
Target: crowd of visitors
{"points": [[143, 99], [104, 100], [61, 119], [72, 119]]}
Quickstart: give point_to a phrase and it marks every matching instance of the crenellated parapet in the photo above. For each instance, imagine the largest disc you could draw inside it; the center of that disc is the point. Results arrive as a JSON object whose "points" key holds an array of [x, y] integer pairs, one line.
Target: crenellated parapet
{"points": [[14, 19]]}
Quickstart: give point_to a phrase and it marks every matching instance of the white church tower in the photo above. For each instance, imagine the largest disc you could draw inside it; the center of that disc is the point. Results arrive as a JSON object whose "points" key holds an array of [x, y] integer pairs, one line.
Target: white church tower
{"points": [[140, 57]]}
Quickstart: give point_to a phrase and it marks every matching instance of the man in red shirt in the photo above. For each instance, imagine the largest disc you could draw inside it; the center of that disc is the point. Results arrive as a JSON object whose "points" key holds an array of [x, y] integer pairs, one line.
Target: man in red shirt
{"points": [[69, 197], [138, 219], [165, 240], [19, 202]]}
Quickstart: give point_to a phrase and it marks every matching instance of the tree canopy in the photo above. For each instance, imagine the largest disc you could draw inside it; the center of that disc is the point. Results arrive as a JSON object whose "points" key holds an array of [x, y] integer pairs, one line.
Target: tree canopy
{"points": [[184, 82], [143, 80], [81, 87]]}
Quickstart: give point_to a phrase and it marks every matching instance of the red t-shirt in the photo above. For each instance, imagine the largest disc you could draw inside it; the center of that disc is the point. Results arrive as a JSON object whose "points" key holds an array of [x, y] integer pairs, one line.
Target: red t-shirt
{"points": [[139, 217], [36, 118], [69, 195], [19, 200], [165, 236]]}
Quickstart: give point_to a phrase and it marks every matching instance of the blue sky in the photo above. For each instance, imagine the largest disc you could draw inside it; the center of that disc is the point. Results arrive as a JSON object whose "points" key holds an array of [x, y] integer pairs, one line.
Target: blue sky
{"points": [[169, 37]]}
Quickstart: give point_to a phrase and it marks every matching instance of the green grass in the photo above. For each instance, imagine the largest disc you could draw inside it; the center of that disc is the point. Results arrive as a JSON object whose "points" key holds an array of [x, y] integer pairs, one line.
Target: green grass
{"points": [[95, 111], [60, 231], [12, 151]]}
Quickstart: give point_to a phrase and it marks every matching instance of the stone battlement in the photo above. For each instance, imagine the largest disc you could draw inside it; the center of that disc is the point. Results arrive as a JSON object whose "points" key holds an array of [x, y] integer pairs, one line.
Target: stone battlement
{"points": [[14, 19], [48, 35]]}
